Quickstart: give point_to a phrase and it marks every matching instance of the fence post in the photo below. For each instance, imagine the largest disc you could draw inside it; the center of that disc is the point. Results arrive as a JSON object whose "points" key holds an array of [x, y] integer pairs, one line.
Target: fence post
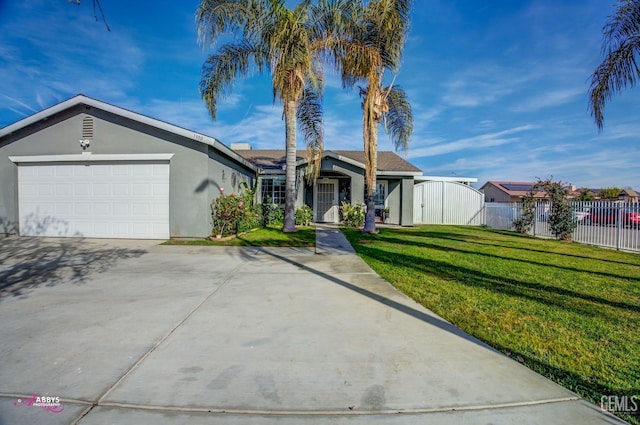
{"points": [[618, 226], [535, 218]]}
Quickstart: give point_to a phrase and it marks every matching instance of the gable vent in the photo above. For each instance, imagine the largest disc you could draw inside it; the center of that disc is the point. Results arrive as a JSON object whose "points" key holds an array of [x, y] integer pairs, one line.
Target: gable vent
{"points": [[87, 128]]}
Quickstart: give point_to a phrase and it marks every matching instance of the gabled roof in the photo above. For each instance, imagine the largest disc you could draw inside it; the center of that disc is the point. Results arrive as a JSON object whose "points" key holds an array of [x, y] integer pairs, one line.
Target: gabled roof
{"points": [[512, 188], [389, 163], [81, 99]]}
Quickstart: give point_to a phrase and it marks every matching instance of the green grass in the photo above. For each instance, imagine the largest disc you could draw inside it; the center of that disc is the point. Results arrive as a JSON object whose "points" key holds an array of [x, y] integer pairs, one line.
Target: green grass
{"points": [[265, 236], [570, 312]]}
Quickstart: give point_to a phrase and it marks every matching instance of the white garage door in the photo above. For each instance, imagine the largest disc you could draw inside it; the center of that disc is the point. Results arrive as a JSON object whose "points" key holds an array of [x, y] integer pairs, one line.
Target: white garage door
{"points": [[98, 200]]}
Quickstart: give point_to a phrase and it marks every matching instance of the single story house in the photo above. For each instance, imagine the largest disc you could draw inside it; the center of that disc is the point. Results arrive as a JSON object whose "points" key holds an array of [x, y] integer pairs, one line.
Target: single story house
{"points": [[501, 191], [341, 179], [629, 195], [87, 168]]}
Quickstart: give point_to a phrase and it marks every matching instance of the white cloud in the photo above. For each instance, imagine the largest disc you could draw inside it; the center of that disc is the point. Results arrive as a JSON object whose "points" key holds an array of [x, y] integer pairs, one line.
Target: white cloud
{"points": [[550, 98], [471, 143], [580, 165], [59, 51]]}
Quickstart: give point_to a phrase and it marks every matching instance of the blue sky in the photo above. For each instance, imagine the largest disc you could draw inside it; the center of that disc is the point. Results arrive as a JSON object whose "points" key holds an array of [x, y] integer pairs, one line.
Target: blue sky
{"points": [[498, 88]]}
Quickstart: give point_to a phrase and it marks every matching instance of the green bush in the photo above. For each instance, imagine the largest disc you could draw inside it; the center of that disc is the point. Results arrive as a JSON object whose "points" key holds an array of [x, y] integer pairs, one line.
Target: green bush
{"points": [[524, 223], [352, 214], [304, 216], [561, 221], [234, 213], [272, 214]]}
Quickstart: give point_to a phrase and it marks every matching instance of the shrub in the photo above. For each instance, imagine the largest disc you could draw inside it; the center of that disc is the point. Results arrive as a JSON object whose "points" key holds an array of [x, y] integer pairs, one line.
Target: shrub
{"points": [[234, 213], [304, 216], [353, 214], [226, 210], [524, 223], [561, 221], [272, 214]]}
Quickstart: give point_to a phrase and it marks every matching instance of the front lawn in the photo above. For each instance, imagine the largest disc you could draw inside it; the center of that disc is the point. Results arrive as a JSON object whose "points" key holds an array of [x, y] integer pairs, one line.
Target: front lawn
{"points": [[265, 236], [571, 312]]}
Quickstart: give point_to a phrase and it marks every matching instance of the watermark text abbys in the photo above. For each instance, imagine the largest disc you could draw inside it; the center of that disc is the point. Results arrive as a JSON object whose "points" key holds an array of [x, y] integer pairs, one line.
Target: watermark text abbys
{"points": [[50, 404]]}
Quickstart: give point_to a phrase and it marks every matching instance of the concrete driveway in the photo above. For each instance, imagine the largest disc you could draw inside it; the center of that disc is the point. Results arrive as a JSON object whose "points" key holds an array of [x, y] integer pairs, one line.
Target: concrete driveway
{"points": [[130, 332]]}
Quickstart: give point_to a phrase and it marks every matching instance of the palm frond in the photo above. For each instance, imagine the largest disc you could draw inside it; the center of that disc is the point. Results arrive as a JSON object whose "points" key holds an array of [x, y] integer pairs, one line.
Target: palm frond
{"points": [[217, 17], [310, 122], [622, 24], [619, 68], [399, 119], [220, 71]]}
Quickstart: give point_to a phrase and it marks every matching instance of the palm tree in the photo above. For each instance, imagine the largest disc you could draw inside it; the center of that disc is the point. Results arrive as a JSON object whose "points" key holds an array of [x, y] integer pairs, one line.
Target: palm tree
{"points": [[268, 37], [621, 47], [374, 44]]}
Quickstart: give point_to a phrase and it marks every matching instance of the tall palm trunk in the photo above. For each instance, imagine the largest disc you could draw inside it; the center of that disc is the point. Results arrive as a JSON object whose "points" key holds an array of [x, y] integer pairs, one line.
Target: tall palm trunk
{"points": [[370, 132], [291, 192]]}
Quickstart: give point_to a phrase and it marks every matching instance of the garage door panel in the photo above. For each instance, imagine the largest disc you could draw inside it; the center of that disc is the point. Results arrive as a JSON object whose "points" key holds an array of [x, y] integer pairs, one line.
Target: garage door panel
{"points": [[158, 211], [46, 171], [46, 189], [64, 189], [101, 189], [63, 172], [99, 171], [121, 170], [81, 189], [141, 189], [140, 210], [80, 170], [102, 210], [64, 210], [110, 200]]}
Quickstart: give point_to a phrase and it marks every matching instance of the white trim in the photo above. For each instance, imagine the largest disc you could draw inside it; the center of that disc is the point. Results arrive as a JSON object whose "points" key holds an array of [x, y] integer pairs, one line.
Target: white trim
{"points": [[422, 178], [87, 157], [399, 173]]}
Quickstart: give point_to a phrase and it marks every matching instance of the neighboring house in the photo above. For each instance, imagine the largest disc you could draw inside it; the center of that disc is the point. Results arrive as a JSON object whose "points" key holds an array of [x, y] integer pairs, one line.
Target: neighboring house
{"points": [[500, 191], [341, 179], [629, 195], [86, 168]]}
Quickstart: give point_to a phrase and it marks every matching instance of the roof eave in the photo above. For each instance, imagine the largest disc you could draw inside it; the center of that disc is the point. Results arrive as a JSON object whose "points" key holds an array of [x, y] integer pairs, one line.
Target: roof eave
{"points": [[399, 173]]}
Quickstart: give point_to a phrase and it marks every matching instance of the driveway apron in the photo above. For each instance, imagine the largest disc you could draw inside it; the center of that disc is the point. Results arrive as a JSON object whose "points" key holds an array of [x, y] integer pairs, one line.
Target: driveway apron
{"points": [[131, 332]]}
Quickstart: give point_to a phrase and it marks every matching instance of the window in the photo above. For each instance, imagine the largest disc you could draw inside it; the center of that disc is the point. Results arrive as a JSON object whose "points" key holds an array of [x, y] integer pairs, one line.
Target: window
{"points": [[380, 195], [273, 189]]}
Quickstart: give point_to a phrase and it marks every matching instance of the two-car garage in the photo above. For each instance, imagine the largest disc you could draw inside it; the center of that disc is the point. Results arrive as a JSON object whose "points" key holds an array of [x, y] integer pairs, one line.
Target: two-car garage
{"points": [[85, 168], [74, 196]]}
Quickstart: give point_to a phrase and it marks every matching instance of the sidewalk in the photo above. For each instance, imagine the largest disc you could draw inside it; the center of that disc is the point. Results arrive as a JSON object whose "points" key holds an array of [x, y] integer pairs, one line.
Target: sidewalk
{"points": [[330, 241]]}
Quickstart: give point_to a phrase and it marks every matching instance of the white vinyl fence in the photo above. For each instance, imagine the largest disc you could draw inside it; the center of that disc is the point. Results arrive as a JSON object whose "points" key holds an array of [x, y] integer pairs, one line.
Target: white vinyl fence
{"points": [[445, 202], [603, 223]]}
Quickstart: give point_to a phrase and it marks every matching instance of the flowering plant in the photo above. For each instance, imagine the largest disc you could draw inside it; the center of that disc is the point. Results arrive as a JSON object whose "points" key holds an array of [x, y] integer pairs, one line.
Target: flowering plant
{"points": [[233, 213]]}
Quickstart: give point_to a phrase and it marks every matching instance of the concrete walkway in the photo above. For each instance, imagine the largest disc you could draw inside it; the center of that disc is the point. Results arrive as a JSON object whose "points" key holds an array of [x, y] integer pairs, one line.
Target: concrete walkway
{"points": [[130, 332]]}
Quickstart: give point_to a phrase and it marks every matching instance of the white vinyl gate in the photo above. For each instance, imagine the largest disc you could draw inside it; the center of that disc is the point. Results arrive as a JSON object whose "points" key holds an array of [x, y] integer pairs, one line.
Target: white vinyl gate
{"points": [[442, 202]]}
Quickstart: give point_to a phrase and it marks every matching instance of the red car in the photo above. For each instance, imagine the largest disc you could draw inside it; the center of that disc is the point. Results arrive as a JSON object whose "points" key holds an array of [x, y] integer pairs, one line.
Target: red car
{"points": [[609, 216], [631, 216]]}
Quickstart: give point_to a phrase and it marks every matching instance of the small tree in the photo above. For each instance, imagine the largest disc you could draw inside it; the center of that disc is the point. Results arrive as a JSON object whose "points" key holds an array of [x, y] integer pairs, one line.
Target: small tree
{"points": [[524, 223], [610, 192], [585, 195], [561, 221]]}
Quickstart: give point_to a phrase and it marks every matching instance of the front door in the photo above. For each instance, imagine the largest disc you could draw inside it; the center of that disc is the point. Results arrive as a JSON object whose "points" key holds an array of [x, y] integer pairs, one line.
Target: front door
{"points": [[326, 201]]}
